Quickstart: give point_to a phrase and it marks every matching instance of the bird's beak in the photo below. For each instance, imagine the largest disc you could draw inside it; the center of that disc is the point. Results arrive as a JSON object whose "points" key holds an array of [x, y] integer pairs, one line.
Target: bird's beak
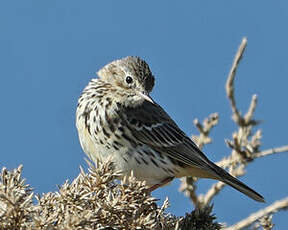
{"points": [[146, 97]]}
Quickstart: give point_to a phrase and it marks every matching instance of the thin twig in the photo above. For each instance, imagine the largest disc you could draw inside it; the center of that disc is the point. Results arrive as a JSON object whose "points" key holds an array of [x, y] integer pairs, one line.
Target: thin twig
{"points": [[271, 151], [237, 171], [204, 129], [240, 138], [212, 192], [248, 116], [218, 186], [230, 81], [275, 207], [188, 185], [227, 161], [245, 148]]}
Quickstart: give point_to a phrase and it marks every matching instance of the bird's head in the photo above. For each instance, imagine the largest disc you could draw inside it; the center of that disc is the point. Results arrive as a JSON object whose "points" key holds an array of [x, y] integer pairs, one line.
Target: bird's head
{"points": [[131, 74]]}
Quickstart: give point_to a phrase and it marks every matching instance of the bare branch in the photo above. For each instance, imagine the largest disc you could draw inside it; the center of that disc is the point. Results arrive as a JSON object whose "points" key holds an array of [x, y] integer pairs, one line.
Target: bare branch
{"points": [[218, 186], [212, 192], [230, 81], [244, 148], [275, 207], [271, 151], [245, 145], [204, 129], [239, 155], [227, 161], [188, 185], [236, 171], [248, 116]]}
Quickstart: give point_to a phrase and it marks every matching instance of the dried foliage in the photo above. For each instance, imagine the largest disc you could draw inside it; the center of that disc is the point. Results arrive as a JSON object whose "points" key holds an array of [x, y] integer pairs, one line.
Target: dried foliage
{"points": [[92, 201], [16, 206], [95, 201], [200, 219]]}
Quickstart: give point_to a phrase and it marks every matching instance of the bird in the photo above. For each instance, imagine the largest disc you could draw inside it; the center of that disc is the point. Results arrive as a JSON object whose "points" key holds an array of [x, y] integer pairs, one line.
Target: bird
{"points": [[118, 120]]}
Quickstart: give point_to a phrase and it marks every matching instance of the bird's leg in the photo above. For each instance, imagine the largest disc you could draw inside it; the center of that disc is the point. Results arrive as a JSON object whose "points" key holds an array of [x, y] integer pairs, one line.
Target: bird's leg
{"points": [[162, 183]]}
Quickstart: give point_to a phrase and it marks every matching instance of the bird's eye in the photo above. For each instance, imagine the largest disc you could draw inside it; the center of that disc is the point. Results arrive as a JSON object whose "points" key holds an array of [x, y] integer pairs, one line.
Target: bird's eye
{"points": [[129, 80]]}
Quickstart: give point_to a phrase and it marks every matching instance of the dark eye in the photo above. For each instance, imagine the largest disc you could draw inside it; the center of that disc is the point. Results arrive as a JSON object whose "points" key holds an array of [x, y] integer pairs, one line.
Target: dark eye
{"points": [[129, 79]]}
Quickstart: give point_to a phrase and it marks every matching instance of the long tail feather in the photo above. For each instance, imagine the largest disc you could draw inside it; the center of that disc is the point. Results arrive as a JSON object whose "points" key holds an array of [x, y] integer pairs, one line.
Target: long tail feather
{"points": [[237, 184]]}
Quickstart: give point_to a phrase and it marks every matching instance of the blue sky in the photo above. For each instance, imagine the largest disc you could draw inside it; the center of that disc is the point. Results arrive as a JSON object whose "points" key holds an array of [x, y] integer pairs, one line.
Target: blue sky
{"points": [[49, 50]]}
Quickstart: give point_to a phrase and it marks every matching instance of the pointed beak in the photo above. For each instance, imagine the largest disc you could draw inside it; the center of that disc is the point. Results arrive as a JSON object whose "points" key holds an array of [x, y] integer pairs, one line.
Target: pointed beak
{"points": [[146, 97]]}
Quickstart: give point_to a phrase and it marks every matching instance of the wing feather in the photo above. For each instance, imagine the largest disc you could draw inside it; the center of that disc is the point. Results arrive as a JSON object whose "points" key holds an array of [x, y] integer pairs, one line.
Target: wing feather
{"points": [[152, 126]]}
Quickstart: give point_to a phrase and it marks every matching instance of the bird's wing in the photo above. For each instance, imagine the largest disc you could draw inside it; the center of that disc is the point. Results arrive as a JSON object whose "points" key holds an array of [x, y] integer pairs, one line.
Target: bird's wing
{"points": [[151, 125]]}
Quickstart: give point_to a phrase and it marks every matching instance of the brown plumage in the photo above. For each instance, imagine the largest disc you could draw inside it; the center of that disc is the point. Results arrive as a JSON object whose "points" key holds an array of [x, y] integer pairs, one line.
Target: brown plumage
{"points": [[117, 120]]}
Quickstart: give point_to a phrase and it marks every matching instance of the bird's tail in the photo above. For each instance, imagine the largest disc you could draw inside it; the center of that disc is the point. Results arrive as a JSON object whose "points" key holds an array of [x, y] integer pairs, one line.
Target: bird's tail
{"points": [[237, 184]]}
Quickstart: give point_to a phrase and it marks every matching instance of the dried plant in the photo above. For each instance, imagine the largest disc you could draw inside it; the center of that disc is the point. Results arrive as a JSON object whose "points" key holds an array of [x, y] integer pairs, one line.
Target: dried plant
{"points": [[92, 201], [245, 145], [16, 207], [95, 201]]}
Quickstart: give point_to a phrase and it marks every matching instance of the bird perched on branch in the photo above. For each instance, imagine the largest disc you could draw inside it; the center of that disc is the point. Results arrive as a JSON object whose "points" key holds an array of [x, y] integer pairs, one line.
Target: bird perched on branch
{"points": [[118, 120]]}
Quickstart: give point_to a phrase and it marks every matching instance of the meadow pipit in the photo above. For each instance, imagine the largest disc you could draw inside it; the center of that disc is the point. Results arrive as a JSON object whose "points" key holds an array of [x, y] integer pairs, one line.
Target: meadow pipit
{"points": [[118, 120]]}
